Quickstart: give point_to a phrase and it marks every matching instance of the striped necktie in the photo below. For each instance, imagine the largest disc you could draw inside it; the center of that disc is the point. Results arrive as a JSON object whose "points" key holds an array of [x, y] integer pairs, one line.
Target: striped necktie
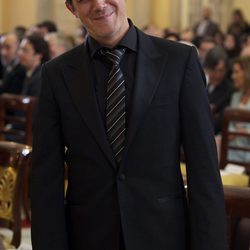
{"points": [[115, 103]]}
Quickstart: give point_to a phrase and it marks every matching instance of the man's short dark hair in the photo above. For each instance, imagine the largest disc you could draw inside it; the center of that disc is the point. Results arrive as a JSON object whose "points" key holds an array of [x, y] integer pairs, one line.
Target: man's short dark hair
{"points": [[40, 46], [69, 1]]}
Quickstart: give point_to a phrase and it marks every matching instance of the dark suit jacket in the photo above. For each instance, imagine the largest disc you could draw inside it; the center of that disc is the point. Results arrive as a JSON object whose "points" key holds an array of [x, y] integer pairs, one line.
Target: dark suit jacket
{"points": [[1, 70], [220, 97], [13, 81], [32, 85], [145, 196]]}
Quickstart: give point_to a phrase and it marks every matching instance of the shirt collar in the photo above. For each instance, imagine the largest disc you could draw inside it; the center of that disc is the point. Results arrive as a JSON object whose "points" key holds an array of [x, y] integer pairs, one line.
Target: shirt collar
{"points": [[129, 41]]}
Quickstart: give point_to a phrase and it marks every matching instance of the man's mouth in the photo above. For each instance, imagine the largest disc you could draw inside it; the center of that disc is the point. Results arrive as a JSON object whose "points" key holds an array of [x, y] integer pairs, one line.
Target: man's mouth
{"points": [[103, 16]]}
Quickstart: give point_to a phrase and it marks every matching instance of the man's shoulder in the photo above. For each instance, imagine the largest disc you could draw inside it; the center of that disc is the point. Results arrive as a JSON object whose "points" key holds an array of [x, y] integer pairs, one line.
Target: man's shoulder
{"points": [[164, 46]]}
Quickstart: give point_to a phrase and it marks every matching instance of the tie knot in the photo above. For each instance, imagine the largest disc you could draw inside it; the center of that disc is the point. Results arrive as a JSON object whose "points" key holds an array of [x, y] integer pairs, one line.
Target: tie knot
{"points": [[114, 56]]}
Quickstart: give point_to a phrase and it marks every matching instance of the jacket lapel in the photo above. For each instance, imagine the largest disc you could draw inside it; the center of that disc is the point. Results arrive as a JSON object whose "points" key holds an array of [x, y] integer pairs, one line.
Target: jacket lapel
{"points": [[149, 68], [80, 84]]}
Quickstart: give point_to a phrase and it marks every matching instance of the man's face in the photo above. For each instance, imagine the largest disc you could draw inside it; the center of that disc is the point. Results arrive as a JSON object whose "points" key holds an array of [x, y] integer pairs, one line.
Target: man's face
{"points": [[28, 57], [9, 48], [105, 20]]}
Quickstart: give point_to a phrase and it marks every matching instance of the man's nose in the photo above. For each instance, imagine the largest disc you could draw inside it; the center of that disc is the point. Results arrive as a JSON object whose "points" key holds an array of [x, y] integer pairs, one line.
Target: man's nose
{"points": [[99, 4]]}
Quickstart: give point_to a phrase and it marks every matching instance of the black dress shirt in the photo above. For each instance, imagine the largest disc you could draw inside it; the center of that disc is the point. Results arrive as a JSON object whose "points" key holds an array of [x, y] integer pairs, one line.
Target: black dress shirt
{"points": [[101, 68]]}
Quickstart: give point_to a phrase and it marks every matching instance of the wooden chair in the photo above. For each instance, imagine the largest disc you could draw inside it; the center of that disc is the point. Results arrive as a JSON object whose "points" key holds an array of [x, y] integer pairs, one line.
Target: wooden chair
{"points": [[16, 118], [233, 115], [237, 201], [13, 159]]}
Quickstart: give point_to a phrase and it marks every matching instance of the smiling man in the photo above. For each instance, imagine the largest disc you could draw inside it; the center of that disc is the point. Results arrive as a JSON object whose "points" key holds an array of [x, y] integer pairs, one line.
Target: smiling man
{"points": [[117, 109]]}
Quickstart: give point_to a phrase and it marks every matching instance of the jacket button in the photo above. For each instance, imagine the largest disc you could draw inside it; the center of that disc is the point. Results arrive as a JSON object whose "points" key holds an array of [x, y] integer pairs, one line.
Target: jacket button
{"points": [[122, 177]]}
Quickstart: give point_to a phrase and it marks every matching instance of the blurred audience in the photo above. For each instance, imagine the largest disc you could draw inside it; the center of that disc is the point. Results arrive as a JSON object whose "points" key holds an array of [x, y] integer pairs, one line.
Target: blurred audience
{"points": [[204, 45], [59, 43], [219, 87], [20, 31], [219, 37], [153, 31], [171, 35], [34, 51], [232, 45], [241, 99], [13, 71], [238, 23], [206, 27], [187, 35], [46, 27]]}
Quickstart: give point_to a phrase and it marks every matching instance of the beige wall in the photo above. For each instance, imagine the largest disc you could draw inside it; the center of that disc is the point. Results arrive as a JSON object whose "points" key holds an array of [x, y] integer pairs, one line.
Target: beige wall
{"points": [[244, 5], [160, 10], [14, 13], [1, 16], [65, 20], [139, 11]]}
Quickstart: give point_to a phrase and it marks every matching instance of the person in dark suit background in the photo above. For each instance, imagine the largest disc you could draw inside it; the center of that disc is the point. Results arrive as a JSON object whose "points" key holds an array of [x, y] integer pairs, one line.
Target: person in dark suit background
{"points": [[34, 51], [220, 87], [206, 27], [133, 199], [13, 71]]}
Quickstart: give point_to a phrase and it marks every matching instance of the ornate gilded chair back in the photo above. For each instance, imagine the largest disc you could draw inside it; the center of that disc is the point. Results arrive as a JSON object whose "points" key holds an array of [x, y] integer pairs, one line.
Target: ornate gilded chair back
{"points": [[13, 163]]}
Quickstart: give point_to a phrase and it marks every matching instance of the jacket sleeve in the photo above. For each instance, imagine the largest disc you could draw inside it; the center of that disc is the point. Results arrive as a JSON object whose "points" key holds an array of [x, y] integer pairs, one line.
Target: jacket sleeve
{"points": [[205, 193], [47, 174]]}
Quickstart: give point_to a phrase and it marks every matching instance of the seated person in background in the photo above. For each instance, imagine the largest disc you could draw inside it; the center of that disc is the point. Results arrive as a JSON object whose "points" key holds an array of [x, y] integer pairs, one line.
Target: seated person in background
{"points": [[46, 27], [204, 45], [20, 31], [187, 35], [238, 23], [206, 26], [13, 71], [220, 88], [34, 51], [241, 99], [59, 43], [232, 45], [171, 35]]}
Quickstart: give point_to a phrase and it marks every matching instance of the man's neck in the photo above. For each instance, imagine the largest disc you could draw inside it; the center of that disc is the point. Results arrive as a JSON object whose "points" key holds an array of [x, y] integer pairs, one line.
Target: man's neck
{"points": [[111, 42]]}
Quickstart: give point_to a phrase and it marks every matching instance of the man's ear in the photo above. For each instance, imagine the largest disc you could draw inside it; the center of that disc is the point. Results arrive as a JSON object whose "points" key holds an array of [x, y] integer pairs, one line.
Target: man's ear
{"points": [[71, 8]]}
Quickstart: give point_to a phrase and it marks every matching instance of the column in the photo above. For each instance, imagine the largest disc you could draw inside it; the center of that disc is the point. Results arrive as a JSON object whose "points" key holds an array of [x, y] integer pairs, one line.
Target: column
{"points": [[1, 16], [184, 13], [160, 13], [45, 10], [139, 11], [18, 13]]}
